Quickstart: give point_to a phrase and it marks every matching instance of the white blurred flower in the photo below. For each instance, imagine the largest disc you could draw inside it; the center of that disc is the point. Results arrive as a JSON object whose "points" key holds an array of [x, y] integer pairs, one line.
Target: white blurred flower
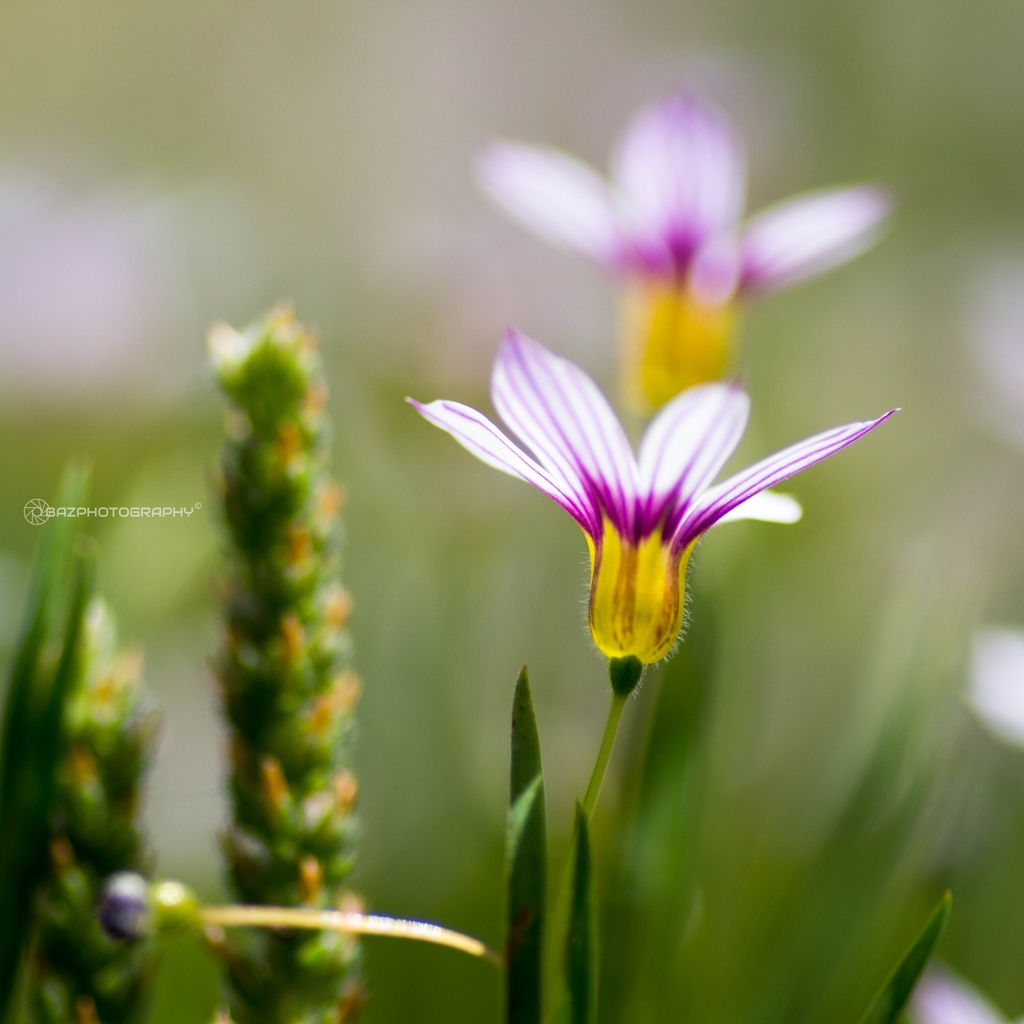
{"points": [[996, 691], [996, 337], [943, 998]]}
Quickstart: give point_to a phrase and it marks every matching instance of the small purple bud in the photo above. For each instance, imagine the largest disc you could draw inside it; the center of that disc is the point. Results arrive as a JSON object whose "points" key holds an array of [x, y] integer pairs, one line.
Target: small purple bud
{"points": [[124, 908]]}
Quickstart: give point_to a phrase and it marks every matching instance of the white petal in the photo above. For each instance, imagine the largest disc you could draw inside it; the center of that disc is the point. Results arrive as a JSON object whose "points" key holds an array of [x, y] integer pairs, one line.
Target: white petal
{"points": [[724, 497], [681, 171], [996, 690], [478, 435], [768, 507], [553, 194], [562, 415], [804, 236], [686, 446], [942, 998]]}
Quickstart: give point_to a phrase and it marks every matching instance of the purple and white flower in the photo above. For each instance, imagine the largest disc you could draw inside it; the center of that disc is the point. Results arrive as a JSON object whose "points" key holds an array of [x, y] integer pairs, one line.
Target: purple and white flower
{"points": [[641, 514], [669, 223]]}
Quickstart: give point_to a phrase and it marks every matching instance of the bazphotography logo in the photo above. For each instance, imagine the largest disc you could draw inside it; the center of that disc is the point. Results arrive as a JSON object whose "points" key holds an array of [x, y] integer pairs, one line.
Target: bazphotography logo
{"points": [[38, 511]]}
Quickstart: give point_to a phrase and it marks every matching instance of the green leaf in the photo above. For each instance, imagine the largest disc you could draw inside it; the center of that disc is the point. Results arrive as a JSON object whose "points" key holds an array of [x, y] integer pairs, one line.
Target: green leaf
{"points": [[526, 864], [525, 740], [42, 673], [581, 947], [893, 996]]}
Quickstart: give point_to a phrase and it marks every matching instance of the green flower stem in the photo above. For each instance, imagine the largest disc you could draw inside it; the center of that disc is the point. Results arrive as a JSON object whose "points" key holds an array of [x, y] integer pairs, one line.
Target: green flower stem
{"points": [[604, 753], [624, 677]]}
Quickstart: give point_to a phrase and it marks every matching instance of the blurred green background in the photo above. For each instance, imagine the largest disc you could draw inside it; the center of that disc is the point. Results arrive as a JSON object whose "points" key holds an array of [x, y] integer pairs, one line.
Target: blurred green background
{"points": [[166, 165]]}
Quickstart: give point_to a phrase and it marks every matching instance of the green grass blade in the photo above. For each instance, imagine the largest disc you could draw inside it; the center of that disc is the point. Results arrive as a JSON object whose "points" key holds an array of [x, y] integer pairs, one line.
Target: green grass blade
{"points": [[893, 996], [526, 864], [32, 720], [581, 948]]}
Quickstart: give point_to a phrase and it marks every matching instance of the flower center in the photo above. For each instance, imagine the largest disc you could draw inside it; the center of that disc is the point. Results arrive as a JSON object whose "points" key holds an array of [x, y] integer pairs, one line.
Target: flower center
{"points": [[671, 341], [636, 595]]}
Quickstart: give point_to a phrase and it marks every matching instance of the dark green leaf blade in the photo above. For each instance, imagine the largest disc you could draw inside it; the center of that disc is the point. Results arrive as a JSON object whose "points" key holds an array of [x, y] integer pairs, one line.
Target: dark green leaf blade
{"points": [[526, 864], [893, 996], [32, 722], [526, 764], [581, 948]]}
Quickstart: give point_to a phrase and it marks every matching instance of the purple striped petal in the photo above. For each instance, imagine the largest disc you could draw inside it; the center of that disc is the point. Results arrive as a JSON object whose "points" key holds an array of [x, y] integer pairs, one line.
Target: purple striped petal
{"points": [[562, 415], [726, 496], [479, 435], [804, 236], [767, 507], [942, 998], [681, 171], [685, 448], [554, 195]]}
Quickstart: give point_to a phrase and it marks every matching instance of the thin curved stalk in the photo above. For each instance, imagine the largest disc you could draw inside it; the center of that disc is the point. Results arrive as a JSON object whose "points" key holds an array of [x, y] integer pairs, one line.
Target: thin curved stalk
{"points": [[350, 922], [611, 730]]}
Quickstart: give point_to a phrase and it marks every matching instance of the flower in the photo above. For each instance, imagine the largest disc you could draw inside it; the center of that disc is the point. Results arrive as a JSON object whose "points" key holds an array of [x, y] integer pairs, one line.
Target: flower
{"points": [[641, 515], [943, 998], [996, 693], [668, 224]]}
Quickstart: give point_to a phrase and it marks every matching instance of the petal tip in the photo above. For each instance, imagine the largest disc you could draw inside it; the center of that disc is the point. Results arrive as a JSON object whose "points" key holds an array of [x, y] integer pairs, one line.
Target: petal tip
{"points": [[489, 161]]}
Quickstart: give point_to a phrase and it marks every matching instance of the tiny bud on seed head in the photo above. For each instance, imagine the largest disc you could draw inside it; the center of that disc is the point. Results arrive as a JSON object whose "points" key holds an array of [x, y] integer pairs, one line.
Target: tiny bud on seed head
{"points": [[124, 907], [227, 347], [174, 906], [346, 790]]}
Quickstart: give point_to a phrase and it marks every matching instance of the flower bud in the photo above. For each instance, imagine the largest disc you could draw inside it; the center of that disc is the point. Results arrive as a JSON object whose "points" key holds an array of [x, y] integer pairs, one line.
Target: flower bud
{"points": [[124, 908]]}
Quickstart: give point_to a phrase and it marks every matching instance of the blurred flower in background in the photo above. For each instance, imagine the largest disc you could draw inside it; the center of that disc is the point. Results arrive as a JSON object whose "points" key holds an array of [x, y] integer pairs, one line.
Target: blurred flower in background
{"points": [[100, 285], [995, 334], [943, 998], [996, 692], [668, 224]]}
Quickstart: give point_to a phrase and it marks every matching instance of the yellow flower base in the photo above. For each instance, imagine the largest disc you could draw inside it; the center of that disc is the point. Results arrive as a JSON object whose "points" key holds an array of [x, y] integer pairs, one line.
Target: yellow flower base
{"points": [[671, 341], [636, 595]]}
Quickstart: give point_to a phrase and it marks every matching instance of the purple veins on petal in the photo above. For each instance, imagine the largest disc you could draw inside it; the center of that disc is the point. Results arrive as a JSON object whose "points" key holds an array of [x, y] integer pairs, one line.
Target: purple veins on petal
{"points": [[560, 412], [686, 446], [582, 457], [726, 496], [483, 439]]}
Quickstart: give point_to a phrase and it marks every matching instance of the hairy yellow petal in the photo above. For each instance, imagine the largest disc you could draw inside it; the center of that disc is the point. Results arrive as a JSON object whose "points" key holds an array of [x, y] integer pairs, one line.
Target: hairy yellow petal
{"points": [[636, 595]]}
